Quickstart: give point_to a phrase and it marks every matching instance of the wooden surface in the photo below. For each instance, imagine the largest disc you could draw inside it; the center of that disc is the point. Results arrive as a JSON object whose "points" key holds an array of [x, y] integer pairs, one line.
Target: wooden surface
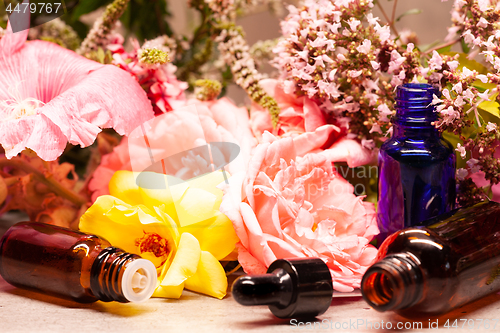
{"points": [[27, 311]]}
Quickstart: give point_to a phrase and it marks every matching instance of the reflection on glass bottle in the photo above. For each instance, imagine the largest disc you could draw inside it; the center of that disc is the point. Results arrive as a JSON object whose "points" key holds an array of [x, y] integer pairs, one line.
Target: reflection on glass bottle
{"points": [[434, 269], [416, 165], [74, 265]]}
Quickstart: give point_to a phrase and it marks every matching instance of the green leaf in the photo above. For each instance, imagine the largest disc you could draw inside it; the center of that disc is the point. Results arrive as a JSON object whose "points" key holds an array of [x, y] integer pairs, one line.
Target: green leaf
{"points": [[87, 6], [147, 19], [444, 49], [454, 139], [470, 64], [465, 48], [426, 47], [490, 108], [482, 87], [413, 11]]}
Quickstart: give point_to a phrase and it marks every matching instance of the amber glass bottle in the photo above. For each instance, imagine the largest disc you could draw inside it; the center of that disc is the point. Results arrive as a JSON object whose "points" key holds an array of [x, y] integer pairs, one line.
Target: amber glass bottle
{"points": [[432, 270], [74, 265]]}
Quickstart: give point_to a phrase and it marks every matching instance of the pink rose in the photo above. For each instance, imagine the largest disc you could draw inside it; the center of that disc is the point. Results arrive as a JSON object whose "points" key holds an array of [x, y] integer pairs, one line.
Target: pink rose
{"points": [[291, 206], [176, 132], [302, 119]]}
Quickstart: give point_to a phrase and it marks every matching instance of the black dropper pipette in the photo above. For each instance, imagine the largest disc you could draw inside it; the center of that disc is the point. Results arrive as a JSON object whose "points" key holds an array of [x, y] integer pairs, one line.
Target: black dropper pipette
{"points": [[292, 288]]}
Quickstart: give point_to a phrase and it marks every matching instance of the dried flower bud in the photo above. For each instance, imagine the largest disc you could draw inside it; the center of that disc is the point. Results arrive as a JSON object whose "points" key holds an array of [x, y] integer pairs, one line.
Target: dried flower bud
{"points": [[207, 90], [152, 56]]}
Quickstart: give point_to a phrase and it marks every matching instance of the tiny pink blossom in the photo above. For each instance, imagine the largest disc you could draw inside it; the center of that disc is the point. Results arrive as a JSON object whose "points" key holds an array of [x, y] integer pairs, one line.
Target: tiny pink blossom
{"points": [[355, 73], [452, 32], [353, 24], [491, 127], [396, 61], [436, 61], [436, 100], [446, 93], [365, 46], [453, 64], [459, 101], [468, 94], [457, 88], [375, 65], [372, 20], [461, 150], [376, 128], [384, 32], [462, 173], [482, 23], [467, 72], [483, 5], [468, 37], [473, 165], [483, 78], [384, 111], [484, 95]]}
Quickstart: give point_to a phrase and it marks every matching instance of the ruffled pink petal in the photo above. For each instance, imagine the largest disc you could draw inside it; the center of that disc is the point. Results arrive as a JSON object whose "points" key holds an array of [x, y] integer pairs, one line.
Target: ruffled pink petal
{"points": [[313, 117], [249, 263], [310, 141], [18, 134], [350, 151], [11, 42]]}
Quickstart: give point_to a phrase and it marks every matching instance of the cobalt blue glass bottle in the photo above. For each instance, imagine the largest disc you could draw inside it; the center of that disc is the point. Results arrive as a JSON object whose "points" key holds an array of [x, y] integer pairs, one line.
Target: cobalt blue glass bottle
{"points": [[416, 165]]}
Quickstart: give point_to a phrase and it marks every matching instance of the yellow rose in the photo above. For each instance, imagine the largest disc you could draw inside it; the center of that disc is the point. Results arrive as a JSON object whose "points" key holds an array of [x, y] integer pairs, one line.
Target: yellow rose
{"points": [[174, 223]]}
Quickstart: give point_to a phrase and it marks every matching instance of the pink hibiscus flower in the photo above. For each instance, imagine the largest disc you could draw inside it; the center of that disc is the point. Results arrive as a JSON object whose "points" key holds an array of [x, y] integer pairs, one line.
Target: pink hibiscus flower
{"points": [[178, 132], [50, 96], [289, 206], [302, 119]]}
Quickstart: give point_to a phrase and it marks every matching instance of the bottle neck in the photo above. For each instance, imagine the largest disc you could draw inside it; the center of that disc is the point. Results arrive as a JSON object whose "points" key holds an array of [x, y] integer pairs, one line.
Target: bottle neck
{"points": [[415, 114], [393, 283], [121, 276], [423, 131]]}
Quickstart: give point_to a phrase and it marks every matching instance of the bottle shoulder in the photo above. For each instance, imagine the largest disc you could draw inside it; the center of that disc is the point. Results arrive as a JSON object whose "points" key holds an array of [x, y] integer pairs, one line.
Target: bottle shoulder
{"points": [[407, 149], [437, 257]]}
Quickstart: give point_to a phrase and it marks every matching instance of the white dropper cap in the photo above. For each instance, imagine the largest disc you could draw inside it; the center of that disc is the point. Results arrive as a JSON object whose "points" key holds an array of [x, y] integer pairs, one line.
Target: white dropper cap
{"points": [[139, 280]]}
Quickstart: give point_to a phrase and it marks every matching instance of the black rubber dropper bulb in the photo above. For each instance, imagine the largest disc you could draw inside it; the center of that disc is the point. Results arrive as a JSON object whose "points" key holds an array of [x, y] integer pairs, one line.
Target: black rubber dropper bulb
{"points": [[292, 288]]}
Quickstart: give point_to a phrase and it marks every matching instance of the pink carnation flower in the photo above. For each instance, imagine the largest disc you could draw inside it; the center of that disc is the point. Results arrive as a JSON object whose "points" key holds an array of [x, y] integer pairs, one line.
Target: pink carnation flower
{"points": [[292, 206], [50, 96], [302, 119], [176, 132]]}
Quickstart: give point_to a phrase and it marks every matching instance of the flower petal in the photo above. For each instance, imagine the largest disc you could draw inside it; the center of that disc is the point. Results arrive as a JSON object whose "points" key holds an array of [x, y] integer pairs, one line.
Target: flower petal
{"points": [[216, 235], [123, 186], [210, 278], [183, 266], [123, 225], [350, 151]]}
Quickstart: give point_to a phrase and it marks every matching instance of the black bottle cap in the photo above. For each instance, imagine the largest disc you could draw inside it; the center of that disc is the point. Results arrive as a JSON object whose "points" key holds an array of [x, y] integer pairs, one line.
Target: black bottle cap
{"points": [[293, 288]]}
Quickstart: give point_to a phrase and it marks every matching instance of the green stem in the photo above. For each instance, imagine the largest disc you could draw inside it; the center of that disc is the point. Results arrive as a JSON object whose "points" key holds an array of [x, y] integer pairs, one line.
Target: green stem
{"points": [[442, 45], [45, 178]]}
